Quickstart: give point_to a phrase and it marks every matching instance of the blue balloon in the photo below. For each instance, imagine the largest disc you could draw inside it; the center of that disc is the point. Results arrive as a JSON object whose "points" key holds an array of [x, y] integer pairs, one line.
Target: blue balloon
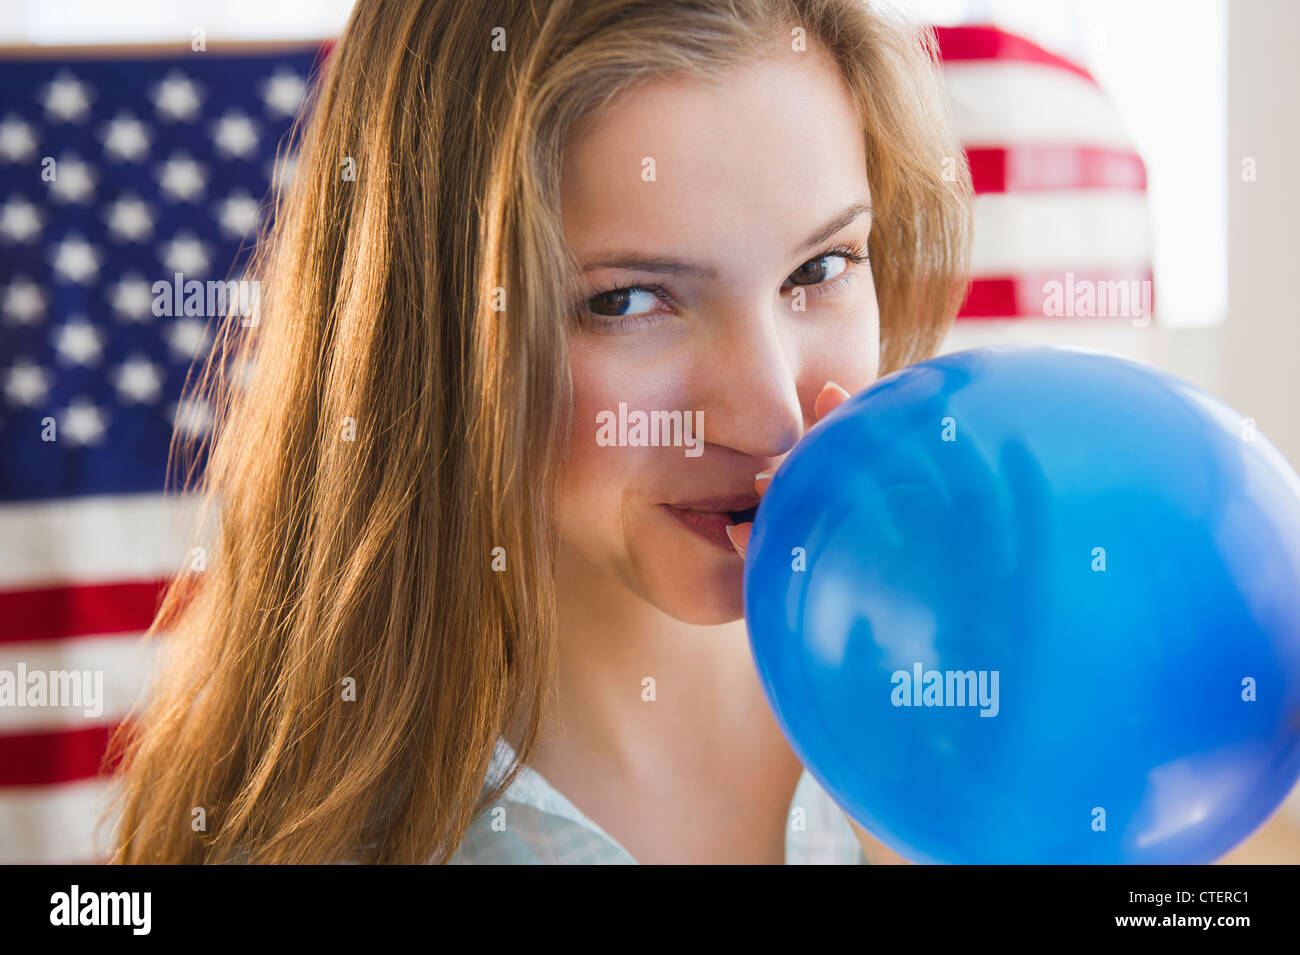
{"points": [[1031, 604]]}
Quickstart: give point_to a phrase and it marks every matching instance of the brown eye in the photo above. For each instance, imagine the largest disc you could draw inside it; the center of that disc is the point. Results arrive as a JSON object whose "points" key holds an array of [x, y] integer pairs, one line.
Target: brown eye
{"points": [[615, 303], [818, 270]]}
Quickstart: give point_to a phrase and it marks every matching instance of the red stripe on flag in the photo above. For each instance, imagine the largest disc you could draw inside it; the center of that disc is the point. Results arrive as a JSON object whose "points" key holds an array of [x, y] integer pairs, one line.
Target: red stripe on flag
{"points": [[990, 43], [1028, 168], [55, 613], [989, 298], [55, 756], [1024, 296]]}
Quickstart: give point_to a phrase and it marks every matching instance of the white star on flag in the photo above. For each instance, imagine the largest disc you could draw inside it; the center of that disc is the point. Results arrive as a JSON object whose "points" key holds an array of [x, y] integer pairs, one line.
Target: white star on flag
{"points": [[81, 423], [181, 178], [26, 383], [23, 301], [73, 180], [17, 144], [184, 253], [176, 98], [132, 298], [187, 337], [78, 343], [76, 260], [283, 92], [125, 138], [19, 219], [235, 135], [66, 99], [129, 219], [239, 214], [192, 416], [137, 380], [284, 169]]}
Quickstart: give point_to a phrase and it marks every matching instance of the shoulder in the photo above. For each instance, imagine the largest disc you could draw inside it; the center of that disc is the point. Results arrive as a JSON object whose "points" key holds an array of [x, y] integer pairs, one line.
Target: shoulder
{"points": [[818, 832], [534, 824]]}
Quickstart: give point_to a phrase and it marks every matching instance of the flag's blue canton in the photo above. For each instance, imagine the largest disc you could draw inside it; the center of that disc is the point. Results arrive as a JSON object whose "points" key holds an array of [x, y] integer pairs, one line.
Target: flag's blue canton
{"points": [[160, 166]]}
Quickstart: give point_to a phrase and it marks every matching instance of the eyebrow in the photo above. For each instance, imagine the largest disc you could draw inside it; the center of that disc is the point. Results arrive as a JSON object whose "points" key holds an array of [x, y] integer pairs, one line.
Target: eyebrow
{"points": [[638, 262]]}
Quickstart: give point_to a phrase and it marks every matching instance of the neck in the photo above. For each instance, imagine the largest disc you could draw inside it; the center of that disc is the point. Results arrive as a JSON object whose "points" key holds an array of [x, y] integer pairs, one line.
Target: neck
{"points": [[635, 686]]}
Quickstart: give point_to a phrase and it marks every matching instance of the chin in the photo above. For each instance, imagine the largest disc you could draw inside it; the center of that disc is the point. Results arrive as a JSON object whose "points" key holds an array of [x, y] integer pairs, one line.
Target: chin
{"points": [[703, 609], [692, 582]]}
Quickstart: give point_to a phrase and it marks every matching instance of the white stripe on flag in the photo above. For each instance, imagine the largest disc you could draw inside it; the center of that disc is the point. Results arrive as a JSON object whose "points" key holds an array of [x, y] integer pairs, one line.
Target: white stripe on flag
{"points": [[94, 539], [120, 664], [55, 824], [1079, 231], [1005, 103]]}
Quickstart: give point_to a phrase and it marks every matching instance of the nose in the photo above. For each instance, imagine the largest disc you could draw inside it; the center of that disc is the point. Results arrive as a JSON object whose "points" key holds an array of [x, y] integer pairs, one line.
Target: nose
{"points": [[753, 395]]}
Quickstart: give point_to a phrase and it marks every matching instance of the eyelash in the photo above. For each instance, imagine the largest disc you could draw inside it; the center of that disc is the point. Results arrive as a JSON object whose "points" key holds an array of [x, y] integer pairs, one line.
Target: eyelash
{"points": [[850, 251]]}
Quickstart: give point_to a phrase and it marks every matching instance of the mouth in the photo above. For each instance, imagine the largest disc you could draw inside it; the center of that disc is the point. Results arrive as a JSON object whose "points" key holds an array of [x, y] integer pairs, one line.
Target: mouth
{"points": [[710, 517], [743, 515]]}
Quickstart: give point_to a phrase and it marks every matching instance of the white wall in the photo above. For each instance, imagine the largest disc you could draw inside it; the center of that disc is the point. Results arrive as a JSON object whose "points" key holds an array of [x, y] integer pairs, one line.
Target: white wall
{"points": [[56, 22], [1260, 345]]}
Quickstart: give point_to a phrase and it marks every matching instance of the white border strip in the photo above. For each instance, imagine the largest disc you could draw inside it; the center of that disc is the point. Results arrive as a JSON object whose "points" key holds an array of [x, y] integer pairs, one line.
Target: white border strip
{"points": [[1005, 103], [1076, 230], [94, 539]]}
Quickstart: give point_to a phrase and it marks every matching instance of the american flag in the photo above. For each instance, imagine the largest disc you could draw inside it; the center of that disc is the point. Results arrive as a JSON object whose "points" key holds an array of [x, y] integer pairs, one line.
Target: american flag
{"points": [[118, 170], [1060, 189]]}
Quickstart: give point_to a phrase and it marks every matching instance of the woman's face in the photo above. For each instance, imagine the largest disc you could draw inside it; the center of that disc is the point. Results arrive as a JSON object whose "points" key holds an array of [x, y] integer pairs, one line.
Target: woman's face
{"points": [[717, 226]]}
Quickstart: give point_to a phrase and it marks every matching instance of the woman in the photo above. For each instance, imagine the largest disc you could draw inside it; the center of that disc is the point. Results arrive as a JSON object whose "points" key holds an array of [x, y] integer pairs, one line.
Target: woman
{"points": [[453, 611]]}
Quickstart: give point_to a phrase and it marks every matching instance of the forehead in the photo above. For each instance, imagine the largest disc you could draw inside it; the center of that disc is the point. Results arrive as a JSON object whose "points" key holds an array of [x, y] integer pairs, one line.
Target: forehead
{"points": [[763, 153]]}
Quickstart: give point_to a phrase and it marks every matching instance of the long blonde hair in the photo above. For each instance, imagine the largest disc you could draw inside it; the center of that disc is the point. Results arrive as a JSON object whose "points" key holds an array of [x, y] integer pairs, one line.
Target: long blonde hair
{"points": [[335, 680]]}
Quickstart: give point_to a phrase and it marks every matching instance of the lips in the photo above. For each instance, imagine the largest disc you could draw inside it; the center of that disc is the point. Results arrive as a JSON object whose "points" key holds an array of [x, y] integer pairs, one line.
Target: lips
{"points": [[710, 517], [730, 504]]}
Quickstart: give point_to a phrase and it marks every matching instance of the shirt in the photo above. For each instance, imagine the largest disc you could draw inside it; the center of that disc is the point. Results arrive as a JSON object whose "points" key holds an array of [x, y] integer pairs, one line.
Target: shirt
{"points": [[534, 824]]}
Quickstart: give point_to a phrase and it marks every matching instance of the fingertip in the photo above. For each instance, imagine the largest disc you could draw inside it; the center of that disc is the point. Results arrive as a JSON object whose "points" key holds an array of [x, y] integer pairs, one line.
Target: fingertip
{"points": [[830, 398], [738, 534]]}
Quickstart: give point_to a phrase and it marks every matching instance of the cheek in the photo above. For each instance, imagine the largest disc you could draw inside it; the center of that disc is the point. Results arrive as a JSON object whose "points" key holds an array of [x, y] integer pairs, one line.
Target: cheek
{"points": [[845, 350], [599, 482], [590, 479], [590, 395]]}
